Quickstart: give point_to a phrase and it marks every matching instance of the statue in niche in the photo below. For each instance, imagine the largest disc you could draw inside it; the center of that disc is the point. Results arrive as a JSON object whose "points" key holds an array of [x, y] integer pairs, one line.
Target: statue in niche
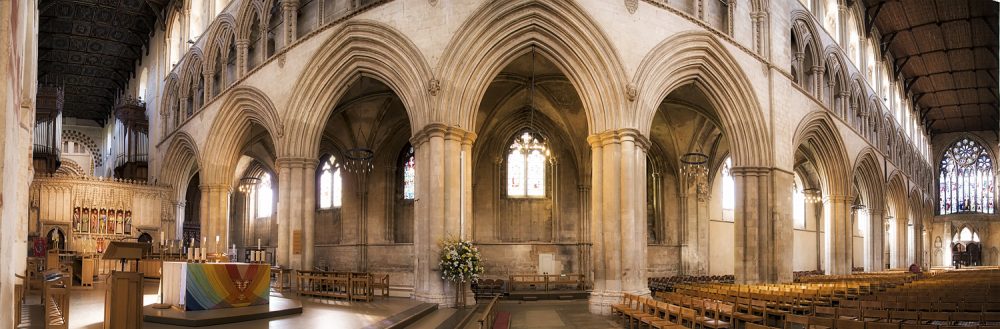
{"points": [[128, 222], [120, 222], [85, 221], [76, 219]]}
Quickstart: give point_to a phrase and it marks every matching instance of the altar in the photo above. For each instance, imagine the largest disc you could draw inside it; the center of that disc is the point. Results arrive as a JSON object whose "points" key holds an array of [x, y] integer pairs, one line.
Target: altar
{"points": [[209, 286]]}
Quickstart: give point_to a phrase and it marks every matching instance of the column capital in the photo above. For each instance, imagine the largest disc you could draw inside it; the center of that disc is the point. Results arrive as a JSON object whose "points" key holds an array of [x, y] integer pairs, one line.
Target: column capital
{"points": [[242, 43], [215, 188], [617, 136], [441, 130], [836, 198], [750, 171], [295, 162]]}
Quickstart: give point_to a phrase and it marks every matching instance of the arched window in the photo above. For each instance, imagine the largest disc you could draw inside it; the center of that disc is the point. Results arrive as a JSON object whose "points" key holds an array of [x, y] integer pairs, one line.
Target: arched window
{"points": [[798, 203], [966, 182], [409, 174], [142, 83], [265, 196], [330, 185], [526, 167]]}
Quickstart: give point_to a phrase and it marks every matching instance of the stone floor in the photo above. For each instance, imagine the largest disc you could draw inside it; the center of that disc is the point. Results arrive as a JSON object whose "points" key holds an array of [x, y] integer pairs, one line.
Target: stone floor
{"points": [[555, 315], [87, 312]]}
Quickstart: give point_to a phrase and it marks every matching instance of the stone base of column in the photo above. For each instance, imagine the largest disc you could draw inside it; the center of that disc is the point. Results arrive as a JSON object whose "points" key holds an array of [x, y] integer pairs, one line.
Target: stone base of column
{"points": [[600, 302]]}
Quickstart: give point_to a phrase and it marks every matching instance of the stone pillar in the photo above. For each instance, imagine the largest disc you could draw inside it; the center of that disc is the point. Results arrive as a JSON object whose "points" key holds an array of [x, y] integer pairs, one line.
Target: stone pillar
{"points": [[838, 234], [283, 250], [818, 81], [289, 8], [215, 216], [209, 75], [439, 205], [583, 232], [618, 220], [763, 252], [308, 188], [874, 242], [242, 47], [178, 220]]}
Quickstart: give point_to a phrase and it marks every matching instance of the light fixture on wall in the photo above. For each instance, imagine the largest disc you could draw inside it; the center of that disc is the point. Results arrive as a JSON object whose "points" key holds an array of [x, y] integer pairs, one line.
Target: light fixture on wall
{"points": [[812, 195], [858, 207], [248, 184]]}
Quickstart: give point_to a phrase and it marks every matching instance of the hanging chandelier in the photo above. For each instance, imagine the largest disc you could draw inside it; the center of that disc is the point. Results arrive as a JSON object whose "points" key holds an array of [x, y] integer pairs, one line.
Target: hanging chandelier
{"points": [[694, 165], [359, 160], [248, 184], [530, 142], [812, 195]]}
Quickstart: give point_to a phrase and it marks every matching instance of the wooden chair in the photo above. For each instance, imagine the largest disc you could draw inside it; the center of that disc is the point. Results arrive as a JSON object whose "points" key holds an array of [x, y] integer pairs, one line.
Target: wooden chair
{"points": [[757, 326], [816, 322], [872, 315], [966, 319], [849, 324], [881, 325], [791, 320], [648, 314], [849, 313], [908, 317], [713, 322], [825, 312], [936, 318], [991, 318], [917, 326]]}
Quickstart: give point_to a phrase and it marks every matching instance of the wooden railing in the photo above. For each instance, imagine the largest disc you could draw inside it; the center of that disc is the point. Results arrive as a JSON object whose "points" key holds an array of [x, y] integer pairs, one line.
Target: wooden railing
{"points": [[345, 285], [547, 281], [489, 314]]}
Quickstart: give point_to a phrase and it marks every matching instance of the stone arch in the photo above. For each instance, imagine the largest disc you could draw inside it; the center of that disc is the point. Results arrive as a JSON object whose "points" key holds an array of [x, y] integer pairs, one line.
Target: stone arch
{"points": [[249, 11], [70, 168], [180, 160], [837, 77], [243, 107], [940, 154], [868, 174], [79, 137], [220, 38], [560, 31], [697, 58], [360, 48], [802, 26], [819, 133]]}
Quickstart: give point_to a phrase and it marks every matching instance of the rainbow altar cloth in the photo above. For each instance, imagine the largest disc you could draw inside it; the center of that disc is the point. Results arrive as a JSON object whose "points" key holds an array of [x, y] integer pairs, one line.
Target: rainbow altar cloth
{"points": [[209, 286]]}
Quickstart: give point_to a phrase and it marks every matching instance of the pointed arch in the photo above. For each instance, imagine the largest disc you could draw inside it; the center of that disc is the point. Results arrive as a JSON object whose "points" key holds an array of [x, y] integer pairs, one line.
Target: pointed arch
{"points": [[180, 160], [249, 11], [818, 133], [697, 58], [220, 38], [359, 48], [559, 30], [867, 174], [243, 107]]}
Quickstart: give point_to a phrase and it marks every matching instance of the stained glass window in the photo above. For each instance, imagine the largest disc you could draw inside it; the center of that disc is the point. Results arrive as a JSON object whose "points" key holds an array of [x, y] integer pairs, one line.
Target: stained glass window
{"points": [[526, 167], [967, 179], [265, 196], [728, 186], [798, 203], [330, 184], [409, 175]]}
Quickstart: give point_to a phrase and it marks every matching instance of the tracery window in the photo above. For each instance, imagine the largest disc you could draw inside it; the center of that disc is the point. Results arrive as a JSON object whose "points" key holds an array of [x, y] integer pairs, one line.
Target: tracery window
{"points": [[265, 196], [526, 167], [728, 190], [798, 203], [330, 184], [409, 174], [966, 182]]}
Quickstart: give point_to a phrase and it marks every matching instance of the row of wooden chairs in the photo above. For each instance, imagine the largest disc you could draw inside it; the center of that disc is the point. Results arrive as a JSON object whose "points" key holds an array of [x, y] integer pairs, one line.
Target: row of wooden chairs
{"points": [[346, 285], [55, 293], [667, 283], [736, 313], [926, 306], [815, 322], [910, 317], [640, 311]]}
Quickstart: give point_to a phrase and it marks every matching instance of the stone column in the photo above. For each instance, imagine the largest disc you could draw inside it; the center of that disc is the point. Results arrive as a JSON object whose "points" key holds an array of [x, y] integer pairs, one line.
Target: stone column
{"points": [[838, 234], [178, 219], [215, 216], [283, 250], [763, 251], [439, 205], [308, 188], [618, 219], [289, 8], [818, 81], [242, 47], [874, 242]]}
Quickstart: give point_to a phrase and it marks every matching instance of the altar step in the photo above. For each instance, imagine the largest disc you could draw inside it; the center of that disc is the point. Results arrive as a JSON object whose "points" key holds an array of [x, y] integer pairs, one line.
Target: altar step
{"points": [[445, 318]]}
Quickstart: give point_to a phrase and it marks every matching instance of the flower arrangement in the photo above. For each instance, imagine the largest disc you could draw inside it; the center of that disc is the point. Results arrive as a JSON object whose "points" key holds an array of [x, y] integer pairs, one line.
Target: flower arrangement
{"points": [[460, 261]]}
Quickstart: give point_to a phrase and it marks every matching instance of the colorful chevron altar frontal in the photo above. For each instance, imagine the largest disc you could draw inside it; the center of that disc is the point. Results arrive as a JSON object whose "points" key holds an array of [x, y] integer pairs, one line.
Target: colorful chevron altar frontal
{"points": [[223, 285]]}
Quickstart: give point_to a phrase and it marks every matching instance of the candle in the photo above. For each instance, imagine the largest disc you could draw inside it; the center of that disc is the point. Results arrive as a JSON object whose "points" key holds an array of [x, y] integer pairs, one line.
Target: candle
{"points": [[258, 243], [216, 239], [192, 243], [189, 254], [203, 254], [204, 241], [162, 238]]}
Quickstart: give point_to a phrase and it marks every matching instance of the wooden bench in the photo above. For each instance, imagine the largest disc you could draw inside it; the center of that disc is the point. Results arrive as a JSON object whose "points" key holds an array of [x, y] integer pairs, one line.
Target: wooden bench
{"points": [[56, 296], [345, 285], [547, 281]]}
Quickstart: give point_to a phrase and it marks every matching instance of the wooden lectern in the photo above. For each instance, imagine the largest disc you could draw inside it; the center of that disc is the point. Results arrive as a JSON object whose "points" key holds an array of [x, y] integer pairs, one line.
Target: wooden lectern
{"points": [[123, 301]]}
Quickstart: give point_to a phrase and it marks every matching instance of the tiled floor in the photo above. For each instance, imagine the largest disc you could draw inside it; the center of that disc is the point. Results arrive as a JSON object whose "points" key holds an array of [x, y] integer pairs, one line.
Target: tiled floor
{"points": [[555, 315]]}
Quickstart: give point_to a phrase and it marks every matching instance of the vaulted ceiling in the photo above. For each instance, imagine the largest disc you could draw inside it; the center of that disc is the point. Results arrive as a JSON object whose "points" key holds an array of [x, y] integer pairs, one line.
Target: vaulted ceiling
{"points": [[947, 51], [91, 47]]}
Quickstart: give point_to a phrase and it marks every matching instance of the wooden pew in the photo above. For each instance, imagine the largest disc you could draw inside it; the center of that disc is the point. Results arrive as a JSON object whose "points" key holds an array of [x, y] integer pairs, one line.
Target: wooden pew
{"points": [[56, 296]]}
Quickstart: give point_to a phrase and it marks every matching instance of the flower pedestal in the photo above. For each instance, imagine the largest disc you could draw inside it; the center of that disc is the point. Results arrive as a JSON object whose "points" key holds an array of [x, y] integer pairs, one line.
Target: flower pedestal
{"points": [[461, 264]]}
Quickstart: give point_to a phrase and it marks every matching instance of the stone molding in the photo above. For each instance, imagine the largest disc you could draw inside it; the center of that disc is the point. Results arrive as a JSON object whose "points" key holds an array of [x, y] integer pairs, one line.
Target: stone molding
{"points": [[444, 131]]}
